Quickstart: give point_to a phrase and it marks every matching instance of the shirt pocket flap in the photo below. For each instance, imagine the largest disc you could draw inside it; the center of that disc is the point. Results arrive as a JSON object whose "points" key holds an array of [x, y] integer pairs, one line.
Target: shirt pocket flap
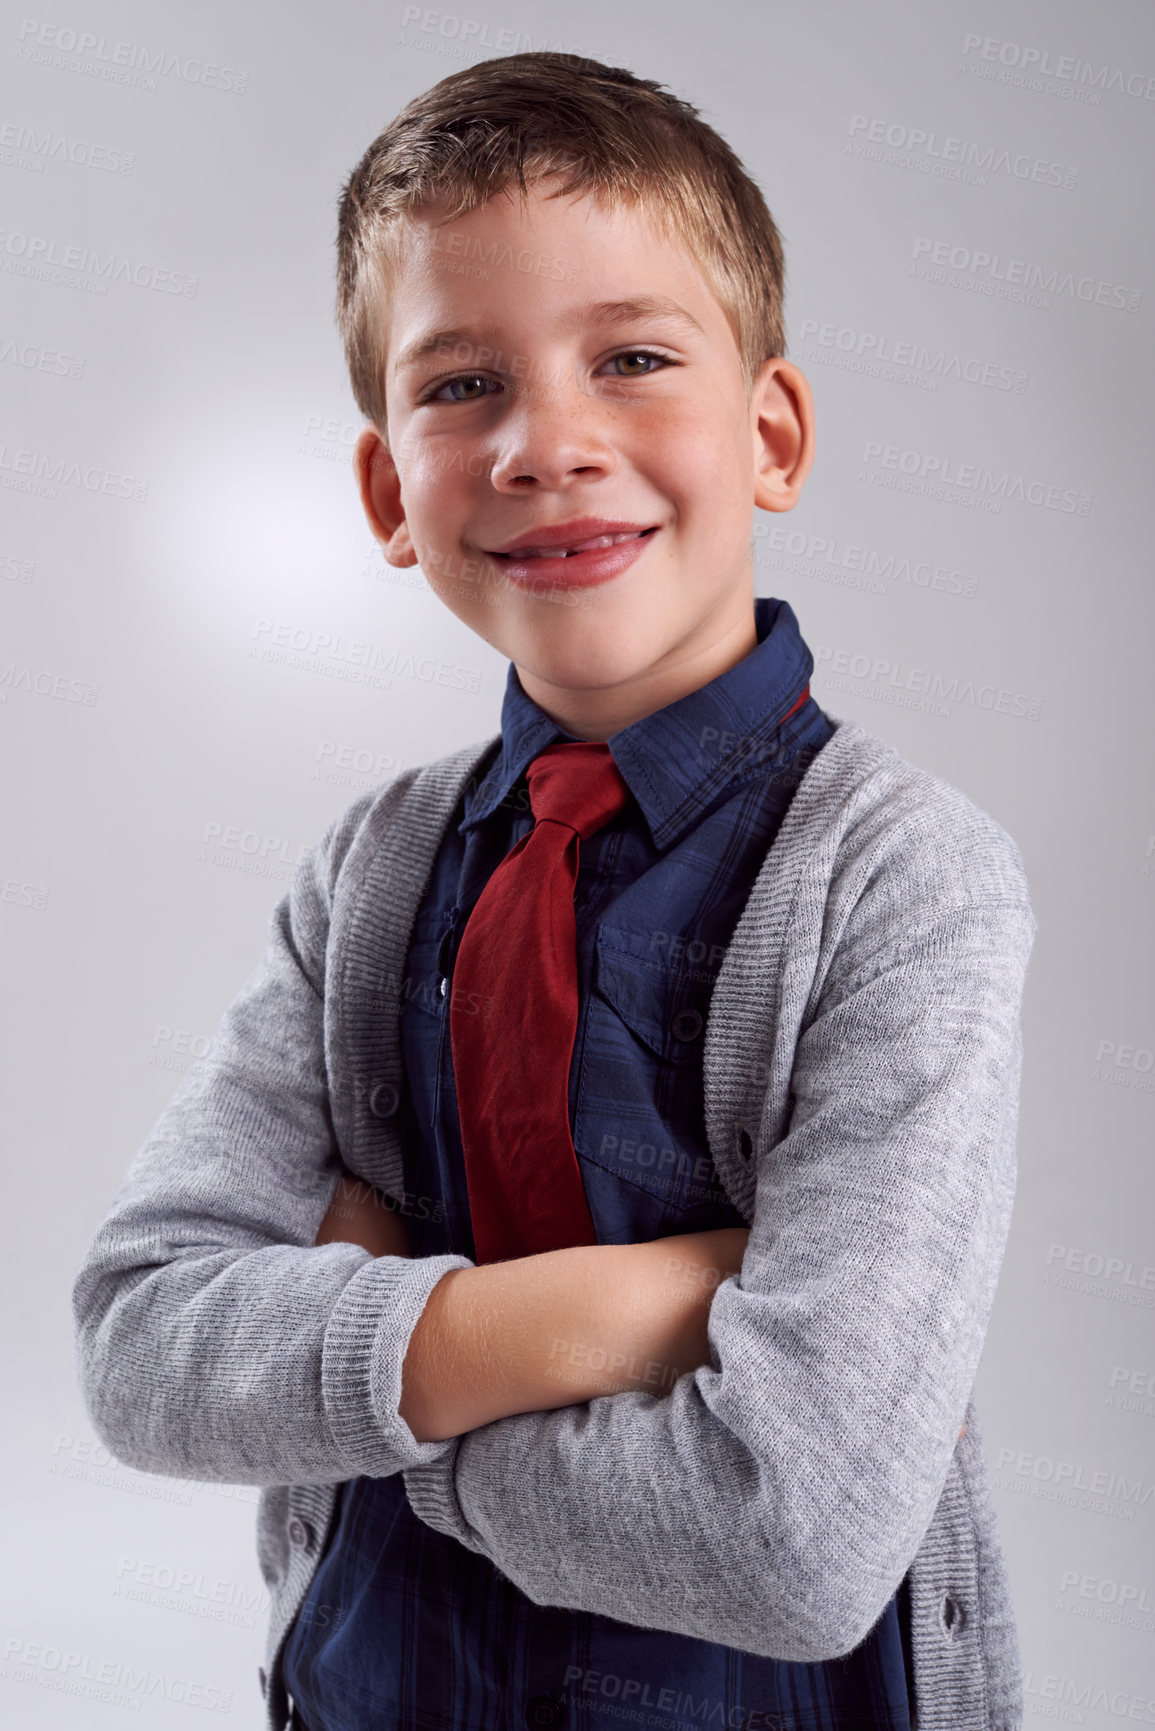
{"points": [[664, 1005]]}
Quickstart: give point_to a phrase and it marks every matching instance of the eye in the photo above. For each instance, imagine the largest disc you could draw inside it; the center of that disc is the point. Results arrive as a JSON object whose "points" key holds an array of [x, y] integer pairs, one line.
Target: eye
{"points": [[436, 396], [640, 355]]}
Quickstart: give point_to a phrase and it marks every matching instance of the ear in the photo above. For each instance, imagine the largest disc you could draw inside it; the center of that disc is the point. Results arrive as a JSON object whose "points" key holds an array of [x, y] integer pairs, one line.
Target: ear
{"points": [[380, 488], [782, 424]]}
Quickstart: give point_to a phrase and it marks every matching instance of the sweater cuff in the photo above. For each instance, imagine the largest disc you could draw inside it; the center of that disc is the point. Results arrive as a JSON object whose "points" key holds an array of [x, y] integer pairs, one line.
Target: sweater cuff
{"points": [[432, 1493], [366, 1340]]}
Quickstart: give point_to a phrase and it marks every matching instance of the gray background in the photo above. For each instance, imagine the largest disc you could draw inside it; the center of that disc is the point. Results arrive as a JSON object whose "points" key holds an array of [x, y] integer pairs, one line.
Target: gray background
{"points": [[140, 724]]}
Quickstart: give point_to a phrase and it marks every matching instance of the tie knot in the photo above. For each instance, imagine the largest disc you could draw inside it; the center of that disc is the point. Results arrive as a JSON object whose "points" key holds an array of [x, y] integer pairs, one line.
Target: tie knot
{"points": [[576, 782]]}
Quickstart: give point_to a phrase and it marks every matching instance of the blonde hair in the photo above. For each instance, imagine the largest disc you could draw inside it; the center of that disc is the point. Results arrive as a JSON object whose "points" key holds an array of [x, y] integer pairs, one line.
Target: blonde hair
{"points": [[620, 138]]}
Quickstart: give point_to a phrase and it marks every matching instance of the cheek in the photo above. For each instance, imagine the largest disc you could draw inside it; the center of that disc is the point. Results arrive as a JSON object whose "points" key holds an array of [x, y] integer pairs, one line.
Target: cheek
{"points": [[698, 461], [703, 423], [433, 474]]}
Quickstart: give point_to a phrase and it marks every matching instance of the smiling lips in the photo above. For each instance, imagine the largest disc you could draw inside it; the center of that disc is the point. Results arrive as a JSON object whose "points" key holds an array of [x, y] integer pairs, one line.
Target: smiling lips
{"points": [[580, 554], [576, 547]]}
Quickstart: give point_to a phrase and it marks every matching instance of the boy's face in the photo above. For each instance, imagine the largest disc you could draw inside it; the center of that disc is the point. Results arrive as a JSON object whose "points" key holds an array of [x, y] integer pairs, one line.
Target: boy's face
{"points": [[536, 408]]}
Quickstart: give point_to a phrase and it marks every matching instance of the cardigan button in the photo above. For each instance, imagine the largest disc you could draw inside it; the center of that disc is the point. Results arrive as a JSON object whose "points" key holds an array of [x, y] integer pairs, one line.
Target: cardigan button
{"points": [[951, 1616], [384, 1100], [745, 1145]]}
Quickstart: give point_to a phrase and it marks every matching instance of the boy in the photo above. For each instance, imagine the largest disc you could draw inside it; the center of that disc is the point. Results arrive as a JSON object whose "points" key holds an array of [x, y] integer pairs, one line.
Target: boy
{"points": [[673, 957]]}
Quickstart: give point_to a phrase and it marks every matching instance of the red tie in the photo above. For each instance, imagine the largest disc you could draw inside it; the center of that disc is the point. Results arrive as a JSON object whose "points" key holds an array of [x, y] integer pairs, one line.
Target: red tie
{"points": [[513, 1016]]}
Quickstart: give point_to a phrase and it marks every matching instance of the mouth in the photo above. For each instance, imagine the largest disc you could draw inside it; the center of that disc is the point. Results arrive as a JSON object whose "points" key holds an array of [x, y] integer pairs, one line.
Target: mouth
{"points": [[555, 563], [554, 554]]}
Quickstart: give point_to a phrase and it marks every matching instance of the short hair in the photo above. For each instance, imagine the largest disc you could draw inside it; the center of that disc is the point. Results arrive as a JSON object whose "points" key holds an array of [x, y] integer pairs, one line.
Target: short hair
{"points": [[622, 139]]}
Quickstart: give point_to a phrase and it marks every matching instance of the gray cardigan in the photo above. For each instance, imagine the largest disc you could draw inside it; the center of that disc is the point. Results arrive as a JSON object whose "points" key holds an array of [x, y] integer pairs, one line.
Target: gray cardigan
{"points": [[861, 1073]]}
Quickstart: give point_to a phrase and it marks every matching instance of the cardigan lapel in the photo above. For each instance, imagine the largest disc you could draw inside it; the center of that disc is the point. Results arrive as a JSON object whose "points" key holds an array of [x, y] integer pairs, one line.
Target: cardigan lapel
{"points": [[748, 1058], [375, 904]]}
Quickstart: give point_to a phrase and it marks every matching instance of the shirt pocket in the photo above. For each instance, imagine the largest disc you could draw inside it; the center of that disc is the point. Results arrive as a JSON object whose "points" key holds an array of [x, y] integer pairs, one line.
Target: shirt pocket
{"points": [[639, 1114]]}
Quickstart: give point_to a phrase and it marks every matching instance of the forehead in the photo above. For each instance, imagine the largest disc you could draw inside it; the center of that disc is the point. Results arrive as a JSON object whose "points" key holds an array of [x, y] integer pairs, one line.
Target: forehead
{"points": [[563, 261]]}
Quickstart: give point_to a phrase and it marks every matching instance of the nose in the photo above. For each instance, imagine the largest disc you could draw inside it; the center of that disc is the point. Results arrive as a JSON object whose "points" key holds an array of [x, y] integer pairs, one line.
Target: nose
{"points": [[553, 434]]}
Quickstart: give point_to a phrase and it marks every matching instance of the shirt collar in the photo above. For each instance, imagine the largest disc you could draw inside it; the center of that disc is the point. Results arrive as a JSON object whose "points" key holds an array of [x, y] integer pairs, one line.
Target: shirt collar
{"points": [[679, 760]]}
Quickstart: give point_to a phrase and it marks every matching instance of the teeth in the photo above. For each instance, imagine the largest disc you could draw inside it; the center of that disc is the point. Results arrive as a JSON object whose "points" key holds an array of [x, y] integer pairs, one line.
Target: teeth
{"points": [[578, 547]]}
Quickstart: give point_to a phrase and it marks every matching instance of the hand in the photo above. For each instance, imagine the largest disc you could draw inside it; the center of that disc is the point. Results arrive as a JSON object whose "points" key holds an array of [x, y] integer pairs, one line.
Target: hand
{"points": [[358, 1214]]}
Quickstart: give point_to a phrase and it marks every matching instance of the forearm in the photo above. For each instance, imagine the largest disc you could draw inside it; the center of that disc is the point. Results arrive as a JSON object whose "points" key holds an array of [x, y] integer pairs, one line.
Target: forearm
{"points": [[538, 1332], [545, 1331], [561, 1327]]}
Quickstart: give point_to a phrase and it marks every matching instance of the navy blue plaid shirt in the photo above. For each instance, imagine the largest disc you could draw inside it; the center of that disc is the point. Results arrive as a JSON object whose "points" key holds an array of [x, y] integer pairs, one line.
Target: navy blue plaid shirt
{"points": [[403, 1627]]}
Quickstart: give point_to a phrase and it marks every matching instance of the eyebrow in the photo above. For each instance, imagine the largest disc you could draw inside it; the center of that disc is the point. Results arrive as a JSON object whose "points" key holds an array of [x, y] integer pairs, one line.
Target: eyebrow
{"points": [[620, 312]]}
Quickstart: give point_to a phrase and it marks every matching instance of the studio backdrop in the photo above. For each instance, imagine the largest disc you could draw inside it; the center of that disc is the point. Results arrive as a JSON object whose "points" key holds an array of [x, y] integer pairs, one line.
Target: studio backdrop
{"points": [[204, 659]]}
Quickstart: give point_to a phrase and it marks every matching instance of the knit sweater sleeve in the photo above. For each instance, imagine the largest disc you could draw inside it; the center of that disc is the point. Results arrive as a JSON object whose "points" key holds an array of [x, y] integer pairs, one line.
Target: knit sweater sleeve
{"points": [[214, 1339], [774, 1499]]}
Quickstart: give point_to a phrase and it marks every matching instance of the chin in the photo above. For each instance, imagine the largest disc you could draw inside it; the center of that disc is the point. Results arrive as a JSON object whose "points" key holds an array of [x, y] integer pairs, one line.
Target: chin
{"points": [[586, 670]]}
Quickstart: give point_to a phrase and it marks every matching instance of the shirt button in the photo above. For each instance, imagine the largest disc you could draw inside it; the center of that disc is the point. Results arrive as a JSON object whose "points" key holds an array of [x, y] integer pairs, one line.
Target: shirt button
{"points": [[686, 1025], [300, 1534], [384, 1100], [543, 1710]]}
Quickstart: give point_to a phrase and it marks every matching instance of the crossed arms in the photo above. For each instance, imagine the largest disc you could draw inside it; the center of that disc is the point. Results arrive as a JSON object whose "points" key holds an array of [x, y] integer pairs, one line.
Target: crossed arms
{"points": [[545, 1331], [773, 1496]]}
